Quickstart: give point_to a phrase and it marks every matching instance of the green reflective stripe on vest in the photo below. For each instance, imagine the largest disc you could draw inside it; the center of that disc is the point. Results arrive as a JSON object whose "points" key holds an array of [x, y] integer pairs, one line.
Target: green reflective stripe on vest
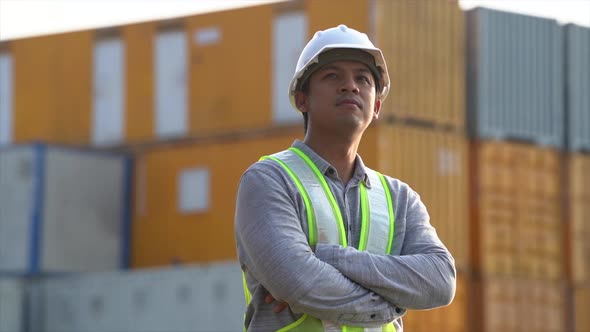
{"points": [[390, 211], [327, 232], [247, 294], [365, 222], [304, 324], [311, 224], [388, 328], [352, 329], [328, 193]]}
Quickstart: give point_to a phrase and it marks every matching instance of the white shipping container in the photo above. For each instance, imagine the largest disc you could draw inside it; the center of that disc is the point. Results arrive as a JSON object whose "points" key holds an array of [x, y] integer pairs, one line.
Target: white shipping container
{"points": [[12, 294], [191, 298], [63, 210]]}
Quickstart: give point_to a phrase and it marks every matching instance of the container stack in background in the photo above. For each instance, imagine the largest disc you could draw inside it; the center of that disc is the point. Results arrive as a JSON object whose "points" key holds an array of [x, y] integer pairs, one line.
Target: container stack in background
{"points": [[577, 163], [420, 133], [516, 121], [121, 218]]}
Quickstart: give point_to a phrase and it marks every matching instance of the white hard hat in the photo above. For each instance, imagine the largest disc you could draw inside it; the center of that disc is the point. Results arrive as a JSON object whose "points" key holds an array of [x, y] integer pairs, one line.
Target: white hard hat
{"points": [[341, 37]]}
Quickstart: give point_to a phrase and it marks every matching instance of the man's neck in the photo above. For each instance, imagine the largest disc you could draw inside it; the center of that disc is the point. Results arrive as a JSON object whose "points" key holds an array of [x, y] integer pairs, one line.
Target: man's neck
{"points": [[340, 153]]}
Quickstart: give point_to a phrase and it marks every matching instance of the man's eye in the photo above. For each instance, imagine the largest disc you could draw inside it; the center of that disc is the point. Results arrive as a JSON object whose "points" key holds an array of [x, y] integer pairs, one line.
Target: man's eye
{"points": [[365, 79]]}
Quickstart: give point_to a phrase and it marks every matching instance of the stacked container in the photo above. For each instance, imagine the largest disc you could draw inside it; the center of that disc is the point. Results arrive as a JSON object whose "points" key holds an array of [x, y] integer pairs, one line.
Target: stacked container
{"points": [[190, 298], [516, 122], [63, 210], [577, 68], [420, 134]]}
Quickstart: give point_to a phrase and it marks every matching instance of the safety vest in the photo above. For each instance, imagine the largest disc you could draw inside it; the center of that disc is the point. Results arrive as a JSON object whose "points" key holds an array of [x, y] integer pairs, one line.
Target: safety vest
{"points": [[325, 223]]}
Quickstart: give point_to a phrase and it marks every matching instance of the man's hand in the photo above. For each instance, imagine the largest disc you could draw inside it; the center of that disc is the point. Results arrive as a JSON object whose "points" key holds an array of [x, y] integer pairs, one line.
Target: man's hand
{"points": [[280, 306]]}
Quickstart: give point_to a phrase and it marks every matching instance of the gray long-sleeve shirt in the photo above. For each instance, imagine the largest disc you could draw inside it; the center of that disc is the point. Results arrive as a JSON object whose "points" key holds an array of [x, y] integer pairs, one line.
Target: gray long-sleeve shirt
{"points": [[329, 282]]}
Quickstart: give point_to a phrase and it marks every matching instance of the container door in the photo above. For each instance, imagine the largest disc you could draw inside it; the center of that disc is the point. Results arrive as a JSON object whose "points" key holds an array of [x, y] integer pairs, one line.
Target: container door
{"points": [[171, 83], [109, 92], [289, 38], [5, 99]]}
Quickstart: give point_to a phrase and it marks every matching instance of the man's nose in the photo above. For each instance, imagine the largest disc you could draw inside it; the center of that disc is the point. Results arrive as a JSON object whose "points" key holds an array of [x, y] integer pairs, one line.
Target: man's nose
{"points": [[349, 84]]}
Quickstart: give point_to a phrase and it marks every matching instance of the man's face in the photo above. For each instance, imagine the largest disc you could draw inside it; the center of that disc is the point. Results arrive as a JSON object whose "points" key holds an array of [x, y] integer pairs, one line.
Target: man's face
{"points": [[341, 98]]}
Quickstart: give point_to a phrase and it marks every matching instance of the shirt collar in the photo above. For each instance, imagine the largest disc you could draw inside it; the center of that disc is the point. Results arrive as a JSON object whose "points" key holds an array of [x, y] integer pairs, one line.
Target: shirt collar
{"points": [[360, 172]]}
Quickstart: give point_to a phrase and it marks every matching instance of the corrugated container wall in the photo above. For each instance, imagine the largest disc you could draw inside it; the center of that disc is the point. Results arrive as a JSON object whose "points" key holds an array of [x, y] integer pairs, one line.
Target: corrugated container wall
{"points": [[424, 47], [230, 70], [191, 298], [578, 87], [579, 212], [52, 88], [515, 77], [435, 165], [581, 304], [515, 305], [139, 83], [12, 305], [62, 210], [516, 211], [330, 13], [185, 197]]}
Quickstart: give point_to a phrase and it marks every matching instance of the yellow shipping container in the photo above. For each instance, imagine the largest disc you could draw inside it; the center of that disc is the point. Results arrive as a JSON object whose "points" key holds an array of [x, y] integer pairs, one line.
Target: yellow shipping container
{"points": [[435, 165], [174, 223], [52, 88], [579, 213], [432, 163], [424, 46], [516, 207]]}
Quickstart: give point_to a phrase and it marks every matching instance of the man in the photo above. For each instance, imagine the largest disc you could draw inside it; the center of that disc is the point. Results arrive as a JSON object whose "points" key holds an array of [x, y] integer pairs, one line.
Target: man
{"points": [[325, 243]]}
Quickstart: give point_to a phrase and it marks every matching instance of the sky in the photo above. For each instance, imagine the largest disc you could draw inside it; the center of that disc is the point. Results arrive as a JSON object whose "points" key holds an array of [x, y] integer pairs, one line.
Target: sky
{"points": [[25, 18]]}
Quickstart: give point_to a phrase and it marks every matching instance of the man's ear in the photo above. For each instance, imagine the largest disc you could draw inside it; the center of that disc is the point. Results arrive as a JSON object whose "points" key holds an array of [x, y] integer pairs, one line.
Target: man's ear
{"points": [[301, 101], [377, 108]]}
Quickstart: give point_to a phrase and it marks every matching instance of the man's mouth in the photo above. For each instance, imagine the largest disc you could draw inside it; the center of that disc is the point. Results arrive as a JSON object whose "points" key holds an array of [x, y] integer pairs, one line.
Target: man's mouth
{"points": [[349, 101]]}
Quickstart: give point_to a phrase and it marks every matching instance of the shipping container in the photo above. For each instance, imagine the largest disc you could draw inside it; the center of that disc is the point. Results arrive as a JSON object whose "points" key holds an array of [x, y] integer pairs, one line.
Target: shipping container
{"points": [[12, 304], [515, 77], [577, 84], [452, 318], [182, 298], [52, 78], [516, 208], [434, 164], [185, 196], [424, 47], [579, 216], [581, 305], [62, 209], [514, 305]]}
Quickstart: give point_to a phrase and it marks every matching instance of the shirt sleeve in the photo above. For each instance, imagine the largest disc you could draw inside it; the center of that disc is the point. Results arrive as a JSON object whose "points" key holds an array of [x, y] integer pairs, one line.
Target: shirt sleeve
{"points": [[423, 276], [275, 251]]}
